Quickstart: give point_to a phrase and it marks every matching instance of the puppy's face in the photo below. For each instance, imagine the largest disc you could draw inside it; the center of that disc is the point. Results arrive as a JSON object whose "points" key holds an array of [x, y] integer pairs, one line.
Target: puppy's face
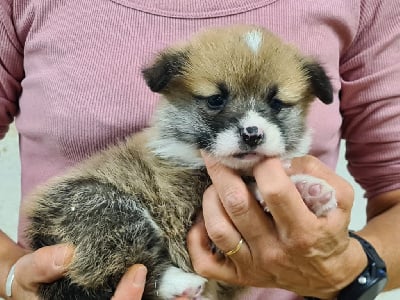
{"points": [[239, 93]]}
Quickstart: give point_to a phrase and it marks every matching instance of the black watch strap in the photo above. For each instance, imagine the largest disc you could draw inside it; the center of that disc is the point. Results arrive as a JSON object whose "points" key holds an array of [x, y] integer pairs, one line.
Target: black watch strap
{"points": [[372, 279]]}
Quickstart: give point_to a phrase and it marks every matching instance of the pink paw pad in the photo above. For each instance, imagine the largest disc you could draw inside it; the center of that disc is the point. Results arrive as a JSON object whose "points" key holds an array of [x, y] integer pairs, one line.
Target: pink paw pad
{"points": [[317, 194], [194, 293]]}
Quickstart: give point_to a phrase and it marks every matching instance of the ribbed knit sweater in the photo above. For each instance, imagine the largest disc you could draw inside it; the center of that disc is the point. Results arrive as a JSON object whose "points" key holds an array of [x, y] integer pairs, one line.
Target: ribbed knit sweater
{"points": [[70, 76]]}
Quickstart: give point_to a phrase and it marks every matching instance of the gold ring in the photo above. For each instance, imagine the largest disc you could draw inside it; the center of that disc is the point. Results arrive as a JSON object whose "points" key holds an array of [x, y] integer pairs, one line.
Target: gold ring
{"points": [[236, 249]]}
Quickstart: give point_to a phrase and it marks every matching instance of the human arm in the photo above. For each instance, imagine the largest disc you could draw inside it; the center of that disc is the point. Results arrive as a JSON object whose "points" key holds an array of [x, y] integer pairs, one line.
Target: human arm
{"points": [[11, 67], [370, 105]]}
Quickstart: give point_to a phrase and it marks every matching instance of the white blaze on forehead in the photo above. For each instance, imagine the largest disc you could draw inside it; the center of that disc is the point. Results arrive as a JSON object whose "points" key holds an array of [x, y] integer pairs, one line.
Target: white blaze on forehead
{"points": [[253, 39]]}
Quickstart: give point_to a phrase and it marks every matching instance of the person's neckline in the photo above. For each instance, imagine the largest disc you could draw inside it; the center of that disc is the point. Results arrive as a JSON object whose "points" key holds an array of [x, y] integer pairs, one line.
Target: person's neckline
{"points": [[194, 9]]}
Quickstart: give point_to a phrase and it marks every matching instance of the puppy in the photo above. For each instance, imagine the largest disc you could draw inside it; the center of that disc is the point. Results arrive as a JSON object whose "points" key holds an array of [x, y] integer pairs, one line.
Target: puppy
{"points": [[239, 94]]}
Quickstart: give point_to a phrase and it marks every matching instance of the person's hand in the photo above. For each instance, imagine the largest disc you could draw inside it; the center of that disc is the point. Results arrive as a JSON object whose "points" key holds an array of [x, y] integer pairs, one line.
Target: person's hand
{"points": [[44, 265], [48, 264], [290, 248]]}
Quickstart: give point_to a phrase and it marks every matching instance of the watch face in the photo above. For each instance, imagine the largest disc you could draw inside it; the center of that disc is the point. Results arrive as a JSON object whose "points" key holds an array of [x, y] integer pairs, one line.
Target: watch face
{"points": [[373, 290]]}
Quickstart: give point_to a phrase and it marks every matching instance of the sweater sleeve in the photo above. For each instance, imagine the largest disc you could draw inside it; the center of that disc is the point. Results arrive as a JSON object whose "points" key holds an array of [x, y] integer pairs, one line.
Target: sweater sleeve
{"points": [[370, 98], [11, 67]]}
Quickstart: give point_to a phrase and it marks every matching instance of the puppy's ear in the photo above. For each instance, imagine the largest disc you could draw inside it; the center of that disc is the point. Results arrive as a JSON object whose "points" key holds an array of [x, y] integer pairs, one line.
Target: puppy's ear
{"points": [[168, 65], [319, 81]]}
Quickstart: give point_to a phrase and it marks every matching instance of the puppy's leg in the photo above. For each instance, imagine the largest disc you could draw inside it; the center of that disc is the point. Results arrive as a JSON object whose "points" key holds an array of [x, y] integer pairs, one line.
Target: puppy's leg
{"points": [[317, 194], [176, 282]]}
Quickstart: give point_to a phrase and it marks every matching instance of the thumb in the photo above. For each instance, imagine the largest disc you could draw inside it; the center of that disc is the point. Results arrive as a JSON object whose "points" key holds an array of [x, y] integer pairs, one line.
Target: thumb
{"points": [[44, 265], [132, 284]]}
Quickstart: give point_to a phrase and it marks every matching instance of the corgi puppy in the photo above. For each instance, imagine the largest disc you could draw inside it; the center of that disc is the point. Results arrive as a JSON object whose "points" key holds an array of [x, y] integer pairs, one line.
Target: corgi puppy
{"points": [[238, 93]]}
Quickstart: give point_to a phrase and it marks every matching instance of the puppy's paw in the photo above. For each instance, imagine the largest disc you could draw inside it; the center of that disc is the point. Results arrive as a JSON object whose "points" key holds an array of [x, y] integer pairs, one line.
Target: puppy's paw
{"points": [[252, 186], [176, 282], [317, 194]]}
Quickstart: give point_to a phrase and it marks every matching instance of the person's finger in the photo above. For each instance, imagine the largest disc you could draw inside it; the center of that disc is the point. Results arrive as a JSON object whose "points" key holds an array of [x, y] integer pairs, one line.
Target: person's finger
{"points": [[240, 205], [205, 262], [281, 196], [219, 226], [45, 265], [131, 285]]}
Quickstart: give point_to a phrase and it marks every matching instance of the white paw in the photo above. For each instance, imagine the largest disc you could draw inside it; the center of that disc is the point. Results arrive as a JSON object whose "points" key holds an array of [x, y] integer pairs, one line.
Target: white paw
{"points": [[176, 282], [317, 194]]}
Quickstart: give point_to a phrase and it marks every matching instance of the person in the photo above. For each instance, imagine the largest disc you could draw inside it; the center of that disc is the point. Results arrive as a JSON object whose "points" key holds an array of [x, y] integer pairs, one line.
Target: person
{"points": [[70, 77]]}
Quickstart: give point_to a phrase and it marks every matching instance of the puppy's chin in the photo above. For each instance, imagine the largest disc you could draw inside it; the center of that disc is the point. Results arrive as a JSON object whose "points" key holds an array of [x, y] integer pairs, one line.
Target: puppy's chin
{"points": [[243, 163]]}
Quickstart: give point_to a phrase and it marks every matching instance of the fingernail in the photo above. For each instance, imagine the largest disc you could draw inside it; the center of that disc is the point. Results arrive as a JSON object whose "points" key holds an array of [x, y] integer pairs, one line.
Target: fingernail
{"points": [[60, 255], [139, 278]]}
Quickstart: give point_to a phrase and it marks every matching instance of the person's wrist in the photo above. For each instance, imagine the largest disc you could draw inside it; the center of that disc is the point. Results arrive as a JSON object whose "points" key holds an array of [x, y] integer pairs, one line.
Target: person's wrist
{"points": [[351, 263], [347, 267], [10, 253], [373, 278], [355, 262], [5, 269]]}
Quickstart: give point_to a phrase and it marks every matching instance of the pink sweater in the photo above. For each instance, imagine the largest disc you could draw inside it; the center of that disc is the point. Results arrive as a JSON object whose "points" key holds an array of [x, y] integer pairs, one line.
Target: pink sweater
{"points": [[70, 76]]}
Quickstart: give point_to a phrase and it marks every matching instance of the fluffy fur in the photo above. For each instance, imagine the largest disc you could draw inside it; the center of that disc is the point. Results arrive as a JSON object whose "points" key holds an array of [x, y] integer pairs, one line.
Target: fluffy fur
{"points": [[238, 93]]}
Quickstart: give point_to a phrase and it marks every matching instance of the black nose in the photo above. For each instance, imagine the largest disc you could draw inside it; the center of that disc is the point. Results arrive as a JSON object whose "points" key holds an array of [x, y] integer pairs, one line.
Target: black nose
{"points": [[252, 135]]}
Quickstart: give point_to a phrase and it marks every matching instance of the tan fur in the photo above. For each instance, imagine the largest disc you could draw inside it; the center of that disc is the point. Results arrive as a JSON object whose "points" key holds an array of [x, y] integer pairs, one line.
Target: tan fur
{"points": [[212, 54]]}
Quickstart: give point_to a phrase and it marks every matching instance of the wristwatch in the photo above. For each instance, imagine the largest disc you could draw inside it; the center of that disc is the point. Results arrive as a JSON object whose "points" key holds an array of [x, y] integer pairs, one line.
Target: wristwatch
{"points": [[372, 279]]}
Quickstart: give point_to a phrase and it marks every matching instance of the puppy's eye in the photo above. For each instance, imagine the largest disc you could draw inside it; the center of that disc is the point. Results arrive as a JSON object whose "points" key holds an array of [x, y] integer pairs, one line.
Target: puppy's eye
{"points": [[215, 102], [277, 105]]}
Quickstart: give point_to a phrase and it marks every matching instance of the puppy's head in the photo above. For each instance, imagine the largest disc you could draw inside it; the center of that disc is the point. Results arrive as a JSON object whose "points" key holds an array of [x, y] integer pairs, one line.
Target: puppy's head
{"points": [[238, 93]]}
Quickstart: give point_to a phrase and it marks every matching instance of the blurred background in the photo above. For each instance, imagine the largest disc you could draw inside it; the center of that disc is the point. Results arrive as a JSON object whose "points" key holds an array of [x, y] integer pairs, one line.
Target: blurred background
{"points": [[10, 193]]}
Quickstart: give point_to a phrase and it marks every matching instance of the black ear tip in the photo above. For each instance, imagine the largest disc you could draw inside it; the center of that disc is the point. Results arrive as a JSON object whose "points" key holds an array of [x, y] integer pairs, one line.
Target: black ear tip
{"points": [[325, 93], [153, 78], [320, 82], [167, 66]]}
